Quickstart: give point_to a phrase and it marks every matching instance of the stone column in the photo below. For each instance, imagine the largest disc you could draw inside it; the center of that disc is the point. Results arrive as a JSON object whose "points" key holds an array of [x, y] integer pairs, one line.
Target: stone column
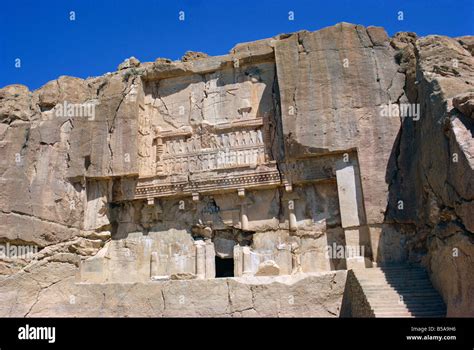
{"points": [[159, 152], [247, 260], [210, 259], [266, 140], [347, 194], [200, 259], [238, 262], [243, 217], [292, 219], [154, 264], [351, 209], [283, 258], [290, 197], [244, 220], [355, 248], [296, 258], [195, 201]]}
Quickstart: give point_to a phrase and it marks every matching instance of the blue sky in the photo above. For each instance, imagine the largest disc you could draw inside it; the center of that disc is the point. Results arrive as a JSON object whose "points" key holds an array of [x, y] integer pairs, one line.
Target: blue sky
{"points": [[104, 33]]}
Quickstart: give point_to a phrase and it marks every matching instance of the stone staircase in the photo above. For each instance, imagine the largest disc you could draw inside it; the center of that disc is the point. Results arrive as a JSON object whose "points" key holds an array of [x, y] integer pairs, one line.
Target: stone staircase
{"points": [[400, 291]]}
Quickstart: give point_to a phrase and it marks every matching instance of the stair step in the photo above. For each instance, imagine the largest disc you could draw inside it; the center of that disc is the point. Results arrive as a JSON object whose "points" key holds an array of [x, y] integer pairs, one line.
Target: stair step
{"points": [[401, 286], [393, 272], [396, 270], [376, 269], [390, 274], [402, 296], [407, 309], [428, 314], [414, 312], [404, 292], [396, 287], [408, 314], [401, 268], [409, 304], [392, 314], [400, 291], [401, 275], [390, 290], [393, 282], [407, 300], [398, 279], [385, 277], [417, 269]]}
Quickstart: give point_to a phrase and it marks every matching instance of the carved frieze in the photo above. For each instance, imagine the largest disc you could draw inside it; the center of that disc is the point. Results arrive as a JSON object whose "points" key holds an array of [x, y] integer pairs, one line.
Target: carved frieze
{"points": [[226, 181], [211, 151]]}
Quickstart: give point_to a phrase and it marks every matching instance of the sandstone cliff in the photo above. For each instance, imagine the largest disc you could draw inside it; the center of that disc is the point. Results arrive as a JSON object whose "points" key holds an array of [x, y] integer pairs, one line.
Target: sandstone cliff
{"points": [[434, 173]]}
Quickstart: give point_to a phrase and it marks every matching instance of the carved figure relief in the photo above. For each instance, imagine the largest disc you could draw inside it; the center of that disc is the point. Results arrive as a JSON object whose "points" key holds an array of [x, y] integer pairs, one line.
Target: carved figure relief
{"points": [[210, 151]]}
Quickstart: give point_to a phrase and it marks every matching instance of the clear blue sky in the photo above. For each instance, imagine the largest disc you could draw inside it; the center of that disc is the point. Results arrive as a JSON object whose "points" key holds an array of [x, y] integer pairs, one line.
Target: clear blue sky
{"points": [[104, 33]]}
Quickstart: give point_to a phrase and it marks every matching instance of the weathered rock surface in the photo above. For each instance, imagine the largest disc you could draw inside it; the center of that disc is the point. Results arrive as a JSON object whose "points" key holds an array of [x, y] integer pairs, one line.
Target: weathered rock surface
{"points": [[464, 103], [192, 56], [129, 63], [268, 268], [435, 166], [332, 83], [49, 290]]}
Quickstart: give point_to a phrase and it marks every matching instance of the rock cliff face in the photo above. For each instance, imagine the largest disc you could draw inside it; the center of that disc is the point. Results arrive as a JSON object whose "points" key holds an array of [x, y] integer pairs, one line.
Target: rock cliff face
{"points": [[435, 164], [264, 162]]}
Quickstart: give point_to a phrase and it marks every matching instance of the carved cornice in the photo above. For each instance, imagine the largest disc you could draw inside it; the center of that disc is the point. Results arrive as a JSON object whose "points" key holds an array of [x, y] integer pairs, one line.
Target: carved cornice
{"points": [[150, 188]]}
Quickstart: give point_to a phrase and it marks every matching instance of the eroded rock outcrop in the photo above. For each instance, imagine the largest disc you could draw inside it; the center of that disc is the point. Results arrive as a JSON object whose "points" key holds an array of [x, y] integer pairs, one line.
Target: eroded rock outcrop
{"points": [[435, 166]]}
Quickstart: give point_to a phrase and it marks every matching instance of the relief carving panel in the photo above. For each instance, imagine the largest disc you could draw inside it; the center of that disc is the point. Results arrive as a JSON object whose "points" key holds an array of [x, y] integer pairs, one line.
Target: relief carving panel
{"points": [[207, 132]]}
